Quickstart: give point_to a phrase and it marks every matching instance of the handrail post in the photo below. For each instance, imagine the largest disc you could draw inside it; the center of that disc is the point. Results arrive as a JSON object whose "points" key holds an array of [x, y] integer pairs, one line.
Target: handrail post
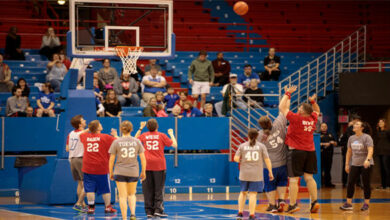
{"points": [[349, 53], [176, 151], [2, 143], [299, 86], [230, 139], [357, 49], [334, 67], [342, 57], [365, 41], [308, 81], [326, 73], [318, 65], [380, 66]]}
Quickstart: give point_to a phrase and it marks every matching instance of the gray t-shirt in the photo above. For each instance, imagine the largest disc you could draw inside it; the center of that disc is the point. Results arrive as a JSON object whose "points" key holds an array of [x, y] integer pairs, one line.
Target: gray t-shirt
{"points": [[274, 143], [359, 146], [126, 150], [252, 161]]}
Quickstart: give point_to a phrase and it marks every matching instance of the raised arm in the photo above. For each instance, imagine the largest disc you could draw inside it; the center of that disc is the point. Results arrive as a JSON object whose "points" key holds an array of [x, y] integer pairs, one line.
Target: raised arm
{"points": [[314, 104], [284, 105], [173, 138], [141, 126]]}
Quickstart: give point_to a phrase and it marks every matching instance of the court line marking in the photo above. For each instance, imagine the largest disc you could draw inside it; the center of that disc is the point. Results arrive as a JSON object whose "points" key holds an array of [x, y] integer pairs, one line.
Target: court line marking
{"points": [[28, 214]]}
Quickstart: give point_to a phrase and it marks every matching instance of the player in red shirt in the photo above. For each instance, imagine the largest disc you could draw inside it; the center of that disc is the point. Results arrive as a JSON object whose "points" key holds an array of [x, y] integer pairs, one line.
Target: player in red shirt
{"points": [[301, 158], [154, 185], [95, 165]]}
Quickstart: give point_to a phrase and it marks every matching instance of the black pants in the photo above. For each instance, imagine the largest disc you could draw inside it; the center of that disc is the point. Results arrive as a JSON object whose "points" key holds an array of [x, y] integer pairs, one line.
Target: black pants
{"points": [[153, 189], [344, 175], [326, 165], [273, 76], [384, 162], [353, 178], [49, 51]]}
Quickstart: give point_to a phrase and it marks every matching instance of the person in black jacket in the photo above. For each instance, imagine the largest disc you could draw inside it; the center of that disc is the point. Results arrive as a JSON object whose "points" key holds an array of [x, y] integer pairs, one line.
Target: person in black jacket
{"points": [[343, 142], [327, 144], [253, 89], [12, 46], [271, 66], [382, 152]]}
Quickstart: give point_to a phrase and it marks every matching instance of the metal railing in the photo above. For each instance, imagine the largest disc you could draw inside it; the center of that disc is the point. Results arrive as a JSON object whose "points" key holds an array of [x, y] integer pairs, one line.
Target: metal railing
{"points": [[379, 66], [321, 75], [244, 118]]}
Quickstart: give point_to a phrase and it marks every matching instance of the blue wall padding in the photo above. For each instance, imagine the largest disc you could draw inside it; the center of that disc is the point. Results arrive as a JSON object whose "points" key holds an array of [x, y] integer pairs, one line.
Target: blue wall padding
{"points": [[9, 175], [329, 108], [317, 176], [31, 134], [89, 79], [205, 133]]}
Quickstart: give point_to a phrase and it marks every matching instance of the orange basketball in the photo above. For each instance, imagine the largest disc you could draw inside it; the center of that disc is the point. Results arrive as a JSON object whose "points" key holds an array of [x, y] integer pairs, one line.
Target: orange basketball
{"points": [[241, 8]]}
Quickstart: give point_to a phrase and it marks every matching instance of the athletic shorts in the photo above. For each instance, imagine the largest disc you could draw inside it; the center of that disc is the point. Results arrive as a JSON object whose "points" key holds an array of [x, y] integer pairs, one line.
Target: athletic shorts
{"points": [[200, 88], [251, 186], [99, 184], [300, 162], [280, 178], [127, 179], [76, 163]]}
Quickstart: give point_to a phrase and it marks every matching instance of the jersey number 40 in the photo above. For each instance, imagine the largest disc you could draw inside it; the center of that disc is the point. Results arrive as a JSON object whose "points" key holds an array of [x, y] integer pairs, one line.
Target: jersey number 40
{"points": [[252, 156]]}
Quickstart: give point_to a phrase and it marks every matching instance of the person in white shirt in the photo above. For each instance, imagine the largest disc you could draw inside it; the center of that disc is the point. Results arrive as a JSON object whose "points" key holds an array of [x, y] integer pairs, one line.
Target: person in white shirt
{"points": [[76, 152], [51, 44], [237, 89]]}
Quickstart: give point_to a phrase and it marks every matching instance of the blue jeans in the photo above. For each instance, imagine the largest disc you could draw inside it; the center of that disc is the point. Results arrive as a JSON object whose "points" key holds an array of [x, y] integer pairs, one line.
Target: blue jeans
{"points": [[132, 101], [55, 84]]}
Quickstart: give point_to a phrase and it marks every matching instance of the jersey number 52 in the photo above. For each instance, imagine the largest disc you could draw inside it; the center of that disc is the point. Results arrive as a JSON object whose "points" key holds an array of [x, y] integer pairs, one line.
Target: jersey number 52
{"points": [[152, 145]]}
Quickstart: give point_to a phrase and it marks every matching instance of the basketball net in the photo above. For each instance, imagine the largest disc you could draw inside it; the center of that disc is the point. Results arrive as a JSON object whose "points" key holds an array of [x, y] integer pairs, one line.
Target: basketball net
{"points": [[129, 57]]}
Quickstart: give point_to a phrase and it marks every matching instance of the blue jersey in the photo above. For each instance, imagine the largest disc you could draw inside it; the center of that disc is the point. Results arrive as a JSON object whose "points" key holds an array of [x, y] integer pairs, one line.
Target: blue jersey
{"points": [[46, 99]]}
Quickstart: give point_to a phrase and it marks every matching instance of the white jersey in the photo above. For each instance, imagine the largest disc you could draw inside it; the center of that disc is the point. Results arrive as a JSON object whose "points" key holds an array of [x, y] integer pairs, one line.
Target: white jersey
{"points": [[76, 148]]}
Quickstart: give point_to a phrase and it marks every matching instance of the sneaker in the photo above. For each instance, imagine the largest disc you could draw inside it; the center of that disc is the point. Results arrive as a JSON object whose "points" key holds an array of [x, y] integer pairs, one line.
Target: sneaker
{"points": [[281, 205], [240, 216], [346, 207], [293, 208], [109, 209], [272, 208], [149, 216], [80, 208], [364, 207], [132, 217], [252, 217], [91, 210], [161, 214], [315, 206]]}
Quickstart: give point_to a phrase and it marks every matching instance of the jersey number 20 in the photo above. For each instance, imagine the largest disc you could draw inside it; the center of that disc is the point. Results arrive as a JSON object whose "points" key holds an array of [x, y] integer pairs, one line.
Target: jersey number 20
{"points": [[252, 156], [93, 147]]}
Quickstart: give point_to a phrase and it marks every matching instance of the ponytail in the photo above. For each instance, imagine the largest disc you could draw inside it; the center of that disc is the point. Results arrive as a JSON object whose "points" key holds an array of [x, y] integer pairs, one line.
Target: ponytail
{"points": [[252, 135]]}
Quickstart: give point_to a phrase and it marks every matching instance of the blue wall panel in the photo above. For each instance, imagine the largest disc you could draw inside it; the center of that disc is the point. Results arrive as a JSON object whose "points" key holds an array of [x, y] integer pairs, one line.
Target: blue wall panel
{"points": [[31, 134], [9, 175], [203, 133]]}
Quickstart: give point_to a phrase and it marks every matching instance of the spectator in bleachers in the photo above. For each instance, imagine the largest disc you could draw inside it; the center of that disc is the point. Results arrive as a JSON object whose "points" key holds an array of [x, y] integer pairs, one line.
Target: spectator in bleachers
{"points": [[5, 77], [228, 91], [170, 99], [190, 111], [50, 44], [12, 46], [183, 98], [98, 93], [46, 101], [65, 59], [112, 107], [17, 104], [176, 112], [22, 84], [151, 109], [160, 98], [30, 112], [221, 70], [153, 83], [271, 65], [201, 77], [245, 78], [126, 88], [57, 72], [208, 110], [100, 83], [153, 62], [108, 74], [161, 111], [254, 90]]}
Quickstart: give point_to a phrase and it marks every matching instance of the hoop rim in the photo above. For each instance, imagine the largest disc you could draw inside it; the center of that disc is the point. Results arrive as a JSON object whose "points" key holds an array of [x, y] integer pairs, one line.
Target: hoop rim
{"points": [[126, 49]]}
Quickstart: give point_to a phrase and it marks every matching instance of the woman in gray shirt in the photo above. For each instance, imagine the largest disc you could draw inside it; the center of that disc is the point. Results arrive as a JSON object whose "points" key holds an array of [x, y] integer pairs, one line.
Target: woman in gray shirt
{"points": [[126, 149], [359, 153], [251, 155]]}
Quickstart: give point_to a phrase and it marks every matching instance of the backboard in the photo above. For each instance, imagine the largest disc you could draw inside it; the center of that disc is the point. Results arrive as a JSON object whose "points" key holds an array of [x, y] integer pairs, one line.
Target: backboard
{"points": [[98, 26]]}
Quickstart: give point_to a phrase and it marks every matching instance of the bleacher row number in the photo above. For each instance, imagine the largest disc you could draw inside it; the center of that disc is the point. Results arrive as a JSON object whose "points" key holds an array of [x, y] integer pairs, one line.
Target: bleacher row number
{"points": [[210, 190], [173, 190], [177, 181], [212, 180]]}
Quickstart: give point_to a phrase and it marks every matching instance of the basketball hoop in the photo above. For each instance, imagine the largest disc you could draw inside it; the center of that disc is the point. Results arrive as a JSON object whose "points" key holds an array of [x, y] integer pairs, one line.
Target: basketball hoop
{"points": [[129, 57]]}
